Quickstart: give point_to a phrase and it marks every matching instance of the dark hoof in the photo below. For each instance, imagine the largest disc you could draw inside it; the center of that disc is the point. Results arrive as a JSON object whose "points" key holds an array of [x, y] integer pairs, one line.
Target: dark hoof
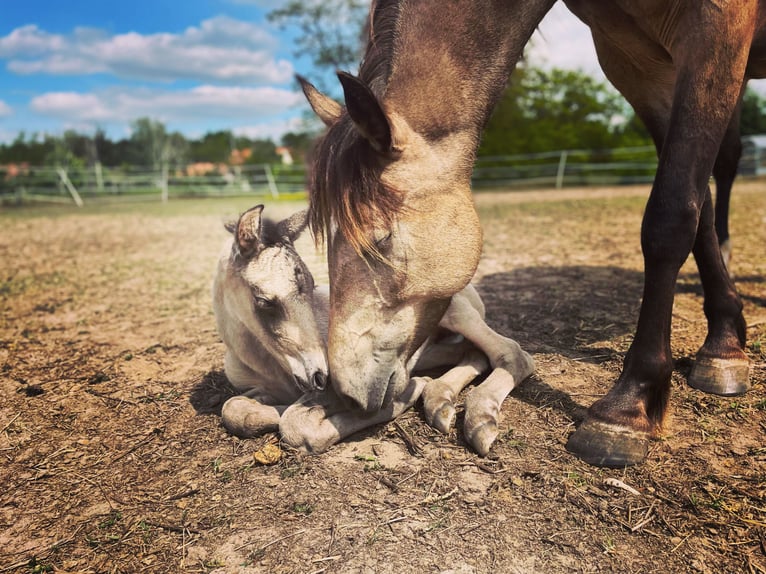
{"points": [[601, 444], [725, 377]]}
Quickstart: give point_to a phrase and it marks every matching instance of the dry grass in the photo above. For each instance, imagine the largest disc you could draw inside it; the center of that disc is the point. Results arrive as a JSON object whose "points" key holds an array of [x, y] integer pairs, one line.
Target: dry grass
{"points": [[114, 459]]}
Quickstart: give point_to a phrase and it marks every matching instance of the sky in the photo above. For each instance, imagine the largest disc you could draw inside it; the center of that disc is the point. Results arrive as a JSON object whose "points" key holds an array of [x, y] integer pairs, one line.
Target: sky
{"points": [[196, 65]]}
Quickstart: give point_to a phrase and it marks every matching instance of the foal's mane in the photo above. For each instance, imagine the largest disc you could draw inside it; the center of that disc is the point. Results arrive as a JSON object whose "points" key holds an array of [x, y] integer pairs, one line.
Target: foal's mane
{"points": [[345, 187]]}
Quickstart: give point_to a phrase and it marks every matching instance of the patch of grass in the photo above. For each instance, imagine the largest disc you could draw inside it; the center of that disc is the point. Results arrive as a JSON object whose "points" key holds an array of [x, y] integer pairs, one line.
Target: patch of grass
{"points": [[576, 479], [114, 517], [303, 508]]}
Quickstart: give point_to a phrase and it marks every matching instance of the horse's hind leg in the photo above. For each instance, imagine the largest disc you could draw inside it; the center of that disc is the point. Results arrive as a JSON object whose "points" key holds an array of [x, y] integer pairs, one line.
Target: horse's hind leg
{"points": [[721, 366], [439, 394], [724, 172]]}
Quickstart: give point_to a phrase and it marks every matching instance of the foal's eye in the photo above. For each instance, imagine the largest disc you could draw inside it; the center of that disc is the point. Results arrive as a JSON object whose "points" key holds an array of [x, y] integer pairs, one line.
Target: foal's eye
{"points": [[264, 302], [383, 242]]}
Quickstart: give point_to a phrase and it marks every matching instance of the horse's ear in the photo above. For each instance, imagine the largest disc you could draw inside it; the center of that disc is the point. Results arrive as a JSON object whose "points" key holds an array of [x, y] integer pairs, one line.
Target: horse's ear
{"points": [[293, 226], [248, 231], [324, 106], [366, 112]]}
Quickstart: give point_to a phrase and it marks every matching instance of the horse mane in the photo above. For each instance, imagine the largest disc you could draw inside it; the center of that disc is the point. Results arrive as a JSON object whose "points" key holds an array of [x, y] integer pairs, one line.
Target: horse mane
{"points": [[344, 180]]}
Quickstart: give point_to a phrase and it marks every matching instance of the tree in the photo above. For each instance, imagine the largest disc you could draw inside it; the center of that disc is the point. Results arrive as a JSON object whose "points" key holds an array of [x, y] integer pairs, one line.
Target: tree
{"points": [[152, 146], [330, 30], [547, 110], [753, 119]]}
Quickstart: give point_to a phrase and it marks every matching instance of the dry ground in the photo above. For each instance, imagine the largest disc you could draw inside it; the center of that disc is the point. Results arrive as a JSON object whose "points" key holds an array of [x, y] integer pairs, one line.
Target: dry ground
{"points": [[113, 458]]}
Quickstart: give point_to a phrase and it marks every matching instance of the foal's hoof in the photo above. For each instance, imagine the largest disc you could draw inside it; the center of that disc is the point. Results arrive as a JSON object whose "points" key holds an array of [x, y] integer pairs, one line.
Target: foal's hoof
{"points": [[725, 377], [246, 418], [438, 406], [481, 436], [602, 444]]}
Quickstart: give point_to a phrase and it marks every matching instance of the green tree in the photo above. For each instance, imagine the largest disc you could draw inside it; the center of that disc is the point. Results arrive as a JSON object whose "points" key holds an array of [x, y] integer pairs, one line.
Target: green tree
{"points": [[330, 30], [547, 110], [753, 119], [153, 147]]}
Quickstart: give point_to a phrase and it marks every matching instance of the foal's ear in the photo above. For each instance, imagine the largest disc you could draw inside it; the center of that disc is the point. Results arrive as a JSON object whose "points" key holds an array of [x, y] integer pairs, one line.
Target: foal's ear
{"points": [[247, 234], [325, 107], [366, 112], [293, 226]]}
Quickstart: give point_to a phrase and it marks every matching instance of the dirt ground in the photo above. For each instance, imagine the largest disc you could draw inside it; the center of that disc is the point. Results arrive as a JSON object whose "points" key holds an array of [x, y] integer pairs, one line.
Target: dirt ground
{"points": [[113, 457]]}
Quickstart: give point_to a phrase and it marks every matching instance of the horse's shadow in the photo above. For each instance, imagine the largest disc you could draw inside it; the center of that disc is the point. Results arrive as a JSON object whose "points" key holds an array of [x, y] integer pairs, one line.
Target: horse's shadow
{"points": [[210, 392], [564, 310]]}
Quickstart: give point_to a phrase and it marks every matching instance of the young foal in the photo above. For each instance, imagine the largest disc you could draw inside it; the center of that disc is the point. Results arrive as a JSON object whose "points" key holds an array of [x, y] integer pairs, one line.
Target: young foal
{"points": [[274, 324]]}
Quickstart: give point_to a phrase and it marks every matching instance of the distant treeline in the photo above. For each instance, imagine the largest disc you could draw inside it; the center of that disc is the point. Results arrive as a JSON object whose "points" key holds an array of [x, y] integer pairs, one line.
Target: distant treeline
{"points": [[540, 111]]}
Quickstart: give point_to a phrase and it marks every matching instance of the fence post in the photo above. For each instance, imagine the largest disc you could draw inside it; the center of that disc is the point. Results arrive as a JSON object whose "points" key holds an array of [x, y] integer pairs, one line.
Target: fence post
{"points": [[72, 190], [562, 168], [164, 183], [99, 177], [272, 182]]}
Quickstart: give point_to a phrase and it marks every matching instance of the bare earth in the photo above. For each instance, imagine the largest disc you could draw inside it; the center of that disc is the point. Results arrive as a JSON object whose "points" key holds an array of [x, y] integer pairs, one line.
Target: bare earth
{"points": [[113, 458]]}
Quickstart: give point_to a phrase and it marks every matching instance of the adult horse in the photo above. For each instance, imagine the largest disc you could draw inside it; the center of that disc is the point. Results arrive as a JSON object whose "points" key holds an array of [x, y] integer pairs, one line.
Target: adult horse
{"points": [[390, 188]]}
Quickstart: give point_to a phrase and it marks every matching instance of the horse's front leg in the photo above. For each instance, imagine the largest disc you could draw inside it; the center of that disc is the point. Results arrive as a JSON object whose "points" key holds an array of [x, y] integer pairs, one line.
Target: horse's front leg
{"points": [[439, 394], [245, 417], [618, 427], [319, 420], [511, 366]]}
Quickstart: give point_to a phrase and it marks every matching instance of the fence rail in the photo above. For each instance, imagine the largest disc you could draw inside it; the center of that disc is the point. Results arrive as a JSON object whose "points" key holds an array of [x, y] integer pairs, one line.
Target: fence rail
{"points": [[620, 166]]}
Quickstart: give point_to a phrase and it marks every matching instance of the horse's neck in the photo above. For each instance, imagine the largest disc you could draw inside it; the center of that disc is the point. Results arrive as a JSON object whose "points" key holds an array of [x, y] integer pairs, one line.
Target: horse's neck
{"points": [[451, 61]]}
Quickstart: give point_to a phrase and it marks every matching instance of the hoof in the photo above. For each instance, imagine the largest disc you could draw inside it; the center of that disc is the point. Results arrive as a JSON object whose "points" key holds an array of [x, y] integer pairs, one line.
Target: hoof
{"points": [[602, 444], [247, 418], [481, 436], [726, 377], [438, 406]]}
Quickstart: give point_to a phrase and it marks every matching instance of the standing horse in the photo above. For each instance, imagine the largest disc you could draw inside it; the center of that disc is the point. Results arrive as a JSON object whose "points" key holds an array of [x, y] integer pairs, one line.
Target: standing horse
{"points": [[273, 322], [390, 190]]}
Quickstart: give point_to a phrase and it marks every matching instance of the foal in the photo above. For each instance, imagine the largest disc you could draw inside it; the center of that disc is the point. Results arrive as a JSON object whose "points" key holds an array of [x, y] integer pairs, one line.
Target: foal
{"points": [[273, 321]]}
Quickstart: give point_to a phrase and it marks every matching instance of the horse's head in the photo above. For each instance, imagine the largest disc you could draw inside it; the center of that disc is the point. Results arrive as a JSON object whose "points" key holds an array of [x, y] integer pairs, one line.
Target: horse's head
{"points": [[402, 236], [271, 291]]}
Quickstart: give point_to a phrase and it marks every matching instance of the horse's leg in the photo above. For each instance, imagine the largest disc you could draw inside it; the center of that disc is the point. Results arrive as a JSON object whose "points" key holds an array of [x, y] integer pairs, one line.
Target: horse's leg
{"points": [[725, 171], [482, 409], [618, 427], [439, 394], [319, 420], [721, 366], [245, 417], [511, 366]]}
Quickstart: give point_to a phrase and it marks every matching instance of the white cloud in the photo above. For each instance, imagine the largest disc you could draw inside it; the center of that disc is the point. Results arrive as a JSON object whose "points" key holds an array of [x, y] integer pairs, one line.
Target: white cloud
{"points": [[5, 109], [208, 102], [272, 130], [220, 49]]}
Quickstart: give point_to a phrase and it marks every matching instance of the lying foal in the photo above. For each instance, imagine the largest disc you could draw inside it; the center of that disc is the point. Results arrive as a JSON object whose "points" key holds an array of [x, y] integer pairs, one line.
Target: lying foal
{"points": [[273, 321]]}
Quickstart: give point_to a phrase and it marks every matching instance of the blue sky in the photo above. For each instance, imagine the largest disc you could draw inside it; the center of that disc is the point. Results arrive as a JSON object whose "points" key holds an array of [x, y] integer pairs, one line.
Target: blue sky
{"points": [[196, 65]]}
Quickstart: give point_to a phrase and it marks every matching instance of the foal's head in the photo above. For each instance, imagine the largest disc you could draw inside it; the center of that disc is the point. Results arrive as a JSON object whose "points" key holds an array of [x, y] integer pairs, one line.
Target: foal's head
{"points": [[273, 291], [402, 236]]}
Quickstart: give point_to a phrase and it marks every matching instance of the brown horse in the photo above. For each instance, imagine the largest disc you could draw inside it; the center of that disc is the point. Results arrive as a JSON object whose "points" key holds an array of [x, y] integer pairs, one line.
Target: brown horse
{"points": [[390, 189]]}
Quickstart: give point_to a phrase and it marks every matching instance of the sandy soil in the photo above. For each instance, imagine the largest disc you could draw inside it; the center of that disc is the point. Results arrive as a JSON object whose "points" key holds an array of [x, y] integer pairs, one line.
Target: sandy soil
{"points": [[114, 458]]}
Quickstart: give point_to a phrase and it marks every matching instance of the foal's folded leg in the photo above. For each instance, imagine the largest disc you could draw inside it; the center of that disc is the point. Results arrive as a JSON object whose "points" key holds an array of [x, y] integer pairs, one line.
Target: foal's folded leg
{"points": [[482, 410], [245, 417], [439, 394], [319, 420]]}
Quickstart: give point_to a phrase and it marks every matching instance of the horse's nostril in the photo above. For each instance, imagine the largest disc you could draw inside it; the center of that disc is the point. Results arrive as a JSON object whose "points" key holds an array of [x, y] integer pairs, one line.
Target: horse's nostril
{"points": [[319, 381]]}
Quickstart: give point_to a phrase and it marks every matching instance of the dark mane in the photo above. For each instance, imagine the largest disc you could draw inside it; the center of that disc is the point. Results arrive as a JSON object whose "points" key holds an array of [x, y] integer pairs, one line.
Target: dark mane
{"points": [[344, 184]]}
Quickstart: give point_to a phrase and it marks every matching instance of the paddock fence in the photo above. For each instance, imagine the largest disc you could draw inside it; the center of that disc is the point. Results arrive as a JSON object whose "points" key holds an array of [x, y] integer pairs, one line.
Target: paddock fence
{"points": [[557, 169]]}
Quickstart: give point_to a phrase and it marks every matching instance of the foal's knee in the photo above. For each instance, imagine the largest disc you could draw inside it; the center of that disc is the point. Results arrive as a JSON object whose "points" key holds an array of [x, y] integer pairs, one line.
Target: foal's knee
{"points": [[306, 429]]}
